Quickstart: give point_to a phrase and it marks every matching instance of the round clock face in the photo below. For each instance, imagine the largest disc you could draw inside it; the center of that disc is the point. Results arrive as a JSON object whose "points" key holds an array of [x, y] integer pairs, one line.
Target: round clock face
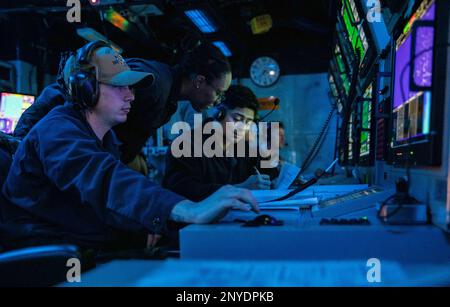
{"points": [[264, 71]]}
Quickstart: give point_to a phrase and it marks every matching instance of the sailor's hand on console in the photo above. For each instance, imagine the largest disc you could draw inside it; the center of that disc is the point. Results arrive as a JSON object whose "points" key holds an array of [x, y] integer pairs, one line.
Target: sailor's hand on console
{"points": [[215, 206]]}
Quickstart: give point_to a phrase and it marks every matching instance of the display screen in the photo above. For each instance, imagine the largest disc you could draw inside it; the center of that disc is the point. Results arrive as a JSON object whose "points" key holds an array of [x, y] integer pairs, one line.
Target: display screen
{"points": [[411, 109], [333, 88], [366, 116], [342, 69], [354, 28], [11, 108], [334, 92], [350, 137]]}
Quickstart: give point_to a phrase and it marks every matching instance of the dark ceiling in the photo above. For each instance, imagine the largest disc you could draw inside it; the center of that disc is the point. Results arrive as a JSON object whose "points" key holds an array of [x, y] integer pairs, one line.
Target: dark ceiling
{"points": [[300, 39]]}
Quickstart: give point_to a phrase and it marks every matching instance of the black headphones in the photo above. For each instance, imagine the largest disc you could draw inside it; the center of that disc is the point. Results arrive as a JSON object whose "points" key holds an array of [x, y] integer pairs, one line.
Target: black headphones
{"points": [[221, 111], [83, 81]]}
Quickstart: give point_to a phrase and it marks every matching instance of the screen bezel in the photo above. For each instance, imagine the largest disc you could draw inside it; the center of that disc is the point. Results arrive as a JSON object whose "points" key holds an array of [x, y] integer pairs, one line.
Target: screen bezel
{"points": [[369, 159], [370, 56], [16, 93], [426, 150]]}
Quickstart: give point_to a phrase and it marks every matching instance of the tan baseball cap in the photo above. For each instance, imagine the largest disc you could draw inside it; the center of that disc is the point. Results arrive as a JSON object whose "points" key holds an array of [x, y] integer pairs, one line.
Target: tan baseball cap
{"points": [[111, 68]]}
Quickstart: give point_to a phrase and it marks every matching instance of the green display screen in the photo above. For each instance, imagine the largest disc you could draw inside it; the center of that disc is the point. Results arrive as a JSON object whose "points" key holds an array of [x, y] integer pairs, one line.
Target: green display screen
{"points": [[366, 111], [350, 137], [335, 92], [342, 69], [354, 28]]}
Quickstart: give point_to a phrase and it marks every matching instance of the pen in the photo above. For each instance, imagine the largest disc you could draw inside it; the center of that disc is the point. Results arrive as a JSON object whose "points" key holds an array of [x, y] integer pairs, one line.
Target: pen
{"points": [[257, 172]]}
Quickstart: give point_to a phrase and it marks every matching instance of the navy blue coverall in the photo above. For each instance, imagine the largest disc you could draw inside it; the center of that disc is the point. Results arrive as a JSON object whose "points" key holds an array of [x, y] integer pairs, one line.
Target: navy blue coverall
{"points": [[64, 183]]}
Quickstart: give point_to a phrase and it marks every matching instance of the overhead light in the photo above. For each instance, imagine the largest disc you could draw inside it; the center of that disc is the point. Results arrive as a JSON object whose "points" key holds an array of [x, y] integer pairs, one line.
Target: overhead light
{"points": [[116, 19], [261, 24], [91, 35], [223, 48], [201, 21], [146, 9], [106, 2]]}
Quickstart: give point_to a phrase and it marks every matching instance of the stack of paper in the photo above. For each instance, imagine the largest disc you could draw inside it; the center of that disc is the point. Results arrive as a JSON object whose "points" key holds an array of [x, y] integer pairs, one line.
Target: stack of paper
{"points": [[295, 202], [288, 173], [289, 204]]}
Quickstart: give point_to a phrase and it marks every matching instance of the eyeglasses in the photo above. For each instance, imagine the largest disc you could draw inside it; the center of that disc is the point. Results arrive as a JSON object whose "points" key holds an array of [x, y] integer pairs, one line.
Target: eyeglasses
{"points": [[219, 94]]}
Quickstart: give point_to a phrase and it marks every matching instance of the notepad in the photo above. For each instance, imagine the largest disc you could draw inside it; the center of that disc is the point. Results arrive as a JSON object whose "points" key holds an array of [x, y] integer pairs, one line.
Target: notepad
{"points": [[293, 203], [288, 174], [289, 204]]}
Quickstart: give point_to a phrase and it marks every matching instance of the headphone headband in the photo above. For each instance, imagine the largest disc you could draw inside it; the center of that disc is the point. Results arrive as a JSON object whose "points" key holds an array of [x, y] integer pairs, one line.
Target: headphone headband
{"points": [[83, 81], [85, 52]]}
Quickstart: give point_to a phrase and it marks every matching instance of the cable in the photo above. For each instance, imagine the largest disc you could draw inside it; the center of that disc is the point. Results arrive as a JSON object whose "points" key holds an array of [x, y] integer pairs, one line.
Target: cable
{"points": [[275, 104], [318, 142], [350, 99], [400, 200], [408, 122], [336, 140], [347, 113]]}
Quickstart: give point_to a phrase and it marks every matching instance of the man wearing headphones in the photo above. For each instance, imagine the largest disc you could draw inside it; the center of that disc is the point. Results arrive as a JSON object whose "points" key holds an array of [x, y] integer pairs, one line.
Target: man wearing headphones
{"points": [[201, 77], [198, 177], [67, 184]]}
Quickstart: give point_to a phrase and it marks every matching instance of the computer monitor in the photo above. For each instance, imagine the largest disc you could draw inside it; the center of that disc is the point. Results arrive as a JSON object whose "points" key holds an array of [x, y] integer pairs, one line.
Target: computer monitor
{"points": [[418, 92], [350, 139], [346, 140], [365, 111], [12, 105], [334, 93], [341, 68], [366, 125], [358, 33]]}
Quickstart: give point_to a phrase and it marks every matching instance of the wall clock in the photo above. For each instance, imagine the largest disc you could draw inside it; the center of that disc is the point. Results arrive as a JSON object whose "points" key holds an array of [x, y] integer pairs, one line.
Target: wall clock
{"points": [[264, 71]]}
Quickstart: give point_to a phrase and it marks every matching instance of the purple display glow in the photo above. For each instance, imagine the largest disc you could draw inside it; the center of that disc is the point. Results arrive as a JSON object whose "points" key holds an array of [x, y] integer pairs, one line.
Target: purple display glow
{"points": [[430, 14], [402, 58], [422, 63]]}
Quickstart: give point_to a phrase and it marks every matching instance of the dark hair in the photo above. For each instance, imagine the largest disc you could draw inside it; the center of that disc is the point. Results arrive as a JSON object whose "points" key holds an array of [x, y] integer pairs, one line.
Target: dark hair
{"points": [[239, 96], [61, 79], [206, 60]]}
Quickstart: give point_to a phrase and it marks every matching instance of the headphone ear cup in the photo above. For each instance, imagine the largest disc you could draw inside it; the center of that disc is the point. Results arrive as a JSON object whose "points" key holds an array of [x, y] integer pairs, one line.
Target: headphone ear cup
{"points": [[83, 83], [220, 113], [84, 89]]}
